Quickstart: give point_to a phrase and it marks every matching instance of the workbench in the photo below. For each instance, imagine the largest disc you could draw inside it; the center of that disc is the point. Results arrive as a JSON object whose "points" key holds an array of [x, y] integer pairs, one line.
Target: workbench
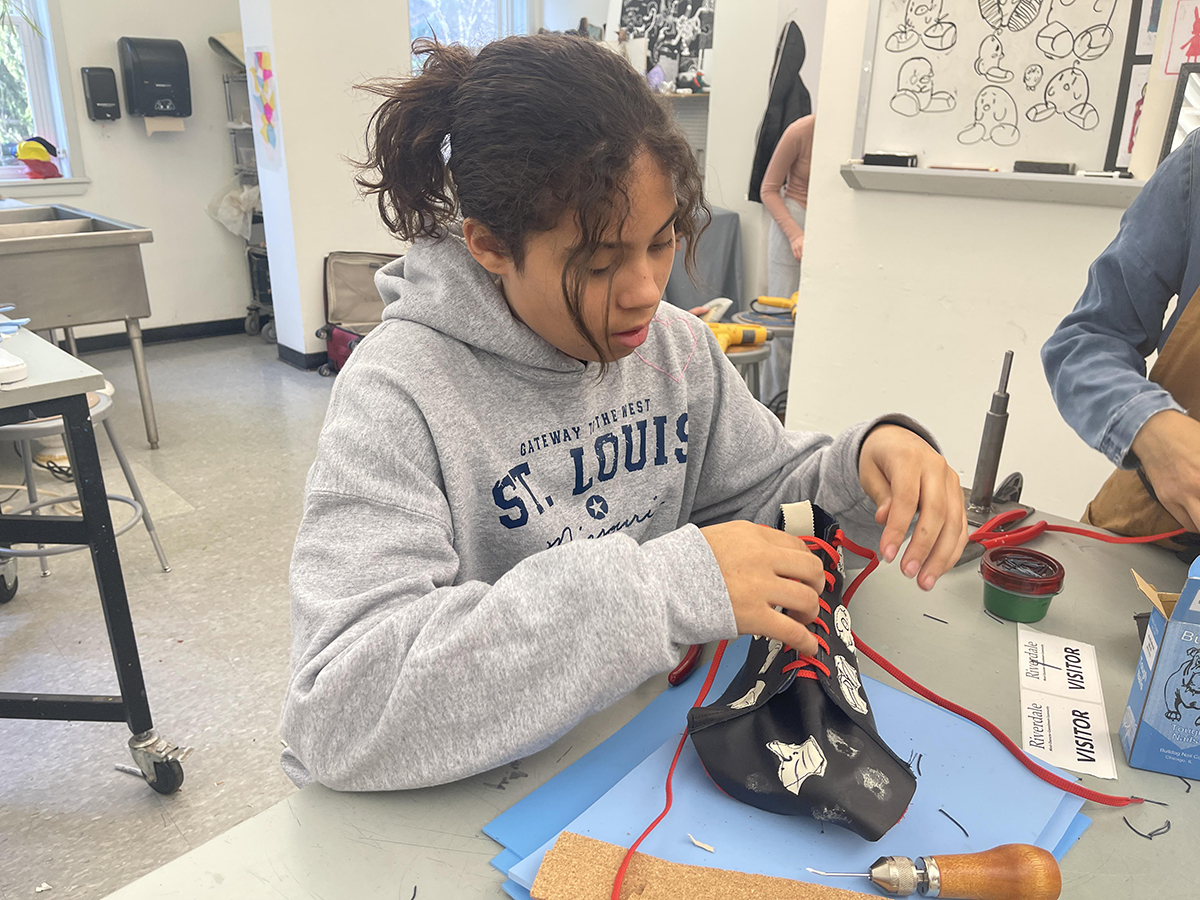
{"points": [[319, 843]]}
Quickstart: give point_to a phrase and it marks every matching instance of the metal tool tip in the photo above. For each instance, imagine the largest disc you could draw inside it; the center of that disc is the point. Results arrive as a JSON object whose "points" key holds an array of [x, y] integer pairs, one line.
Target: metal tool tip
{"points": [[1005, 370], [838, 874]]}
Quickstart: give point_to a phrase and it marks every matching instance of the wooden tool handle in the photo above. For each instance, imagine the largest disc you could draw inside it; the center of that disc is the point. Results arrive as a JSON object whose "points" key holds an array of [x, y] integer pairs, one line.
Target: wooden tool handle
{"points": [[1009, 872]]}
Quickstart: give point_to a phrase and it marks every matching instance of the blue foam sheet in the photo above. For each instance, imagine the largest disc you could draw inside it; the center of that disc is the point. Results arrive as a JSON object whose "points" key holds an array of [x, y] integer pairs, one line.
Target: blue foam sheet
{"points": [[965, 771], [515, 891], [1076, 829], [505, 860], [537, 818]]}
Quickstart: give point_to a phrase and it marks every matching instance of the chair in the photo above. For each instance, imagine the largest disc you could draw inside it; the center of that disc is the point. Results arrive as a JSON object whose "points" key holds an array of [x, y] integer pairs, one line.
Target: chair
{"points": [[25, 432]]}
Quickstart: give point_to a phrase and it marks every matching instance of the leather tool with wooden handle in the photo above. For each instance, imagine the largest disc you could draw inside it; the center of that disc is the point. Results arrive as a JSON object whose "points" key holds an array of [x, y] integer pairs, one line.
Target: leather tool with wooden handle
{"points": [[1008, 872]]}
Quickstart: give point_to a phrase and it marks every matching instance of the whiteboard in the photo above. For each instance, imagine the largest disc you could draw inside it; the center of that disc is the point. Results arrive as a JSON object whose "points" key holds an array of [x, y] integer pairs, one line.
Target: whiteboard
{"points": [[984, 83]]}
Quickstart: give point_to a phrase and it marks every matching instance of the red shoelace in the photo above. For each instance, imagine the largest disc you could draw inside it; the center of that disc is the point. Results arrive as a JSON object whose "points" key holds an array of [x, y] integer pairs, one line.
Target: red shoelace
{"points": [[804, 667]]}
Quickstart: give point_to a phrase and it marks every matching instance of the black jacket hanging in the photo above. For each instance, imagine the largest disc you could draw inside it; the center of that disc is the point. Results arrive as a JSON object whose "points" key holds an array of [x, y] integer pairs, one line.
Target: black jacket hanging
{"points": [[788, 101]]}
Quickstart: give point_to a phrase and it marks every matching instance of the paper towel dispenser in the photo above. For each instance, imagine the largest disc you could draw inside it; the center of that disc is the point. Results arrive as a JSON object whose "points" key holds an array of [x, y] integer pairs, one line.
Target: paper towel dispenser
{"points": [[155, 72]]}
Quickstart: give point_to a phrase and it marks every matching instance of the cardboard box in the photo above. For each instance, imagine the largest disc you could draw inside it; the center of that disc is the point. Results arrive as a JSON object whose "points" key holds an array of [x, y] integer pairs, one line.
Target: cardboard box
{"points": [[1160, 730]]}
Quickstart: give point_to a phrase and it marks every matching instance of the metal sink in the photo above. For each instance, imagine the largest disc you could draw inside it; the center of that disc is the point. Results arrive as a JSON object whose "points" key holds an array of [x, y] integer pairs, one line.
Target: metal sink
{"points": [[64, 267]]}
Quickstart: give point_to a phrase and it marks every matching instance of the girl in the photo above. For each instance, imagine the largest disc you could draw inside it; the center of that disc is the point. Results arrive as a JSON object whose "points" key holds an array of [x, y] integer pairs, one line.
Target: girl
{"points": [[785, 196], [535, 485]]}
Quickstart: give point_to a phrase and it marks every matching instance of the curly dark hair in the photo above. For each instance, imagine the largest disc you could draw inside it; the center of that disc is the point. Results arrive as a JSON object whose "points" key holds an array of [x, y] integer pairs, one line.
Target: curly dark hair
{"points": [[515, 136]]}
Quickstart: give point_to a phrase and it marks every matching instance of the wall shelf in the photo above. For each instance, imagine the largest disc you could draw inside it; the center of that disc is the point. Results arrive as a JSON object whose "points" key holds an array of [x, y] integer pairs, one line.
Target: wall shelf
{"points": [[1074, 189]]}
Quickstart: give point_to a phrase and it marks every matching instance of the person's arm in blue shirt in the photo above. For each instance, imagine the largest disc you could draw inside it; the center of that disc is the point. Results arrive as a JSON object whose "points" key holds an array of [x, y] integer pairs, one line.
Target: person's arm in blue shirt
{"points": [[1096, 360]]}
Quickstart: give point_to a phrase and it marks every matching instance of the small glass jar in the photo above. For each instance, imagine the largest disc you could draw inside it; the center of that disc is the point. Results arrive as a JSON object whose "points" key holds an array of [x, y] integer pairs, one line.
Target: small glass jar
{"points": [[1018, 584]]}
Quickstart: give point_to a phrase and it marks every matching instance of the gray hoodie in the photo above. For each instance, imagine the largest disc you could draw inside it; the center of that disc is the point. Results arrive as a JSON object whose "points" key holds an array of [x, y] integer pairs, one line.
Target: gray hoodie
{"points": [[496, 544]]}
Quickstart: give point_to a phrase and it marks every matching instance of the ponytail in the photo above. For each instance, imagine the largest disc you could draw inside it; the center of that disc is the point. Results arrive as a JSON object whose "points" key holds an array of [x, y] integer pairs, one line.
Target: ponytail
{"points": [[405, 166]]}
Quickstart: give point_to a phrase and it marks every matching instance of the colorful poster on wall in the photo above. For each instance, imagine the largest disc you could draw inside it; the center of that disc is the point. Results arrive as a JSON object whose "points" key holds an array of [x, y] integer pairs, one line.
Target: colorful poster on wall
{"points": [[264, 102], [1184, 46], [1139, 76], [1147, 33]]}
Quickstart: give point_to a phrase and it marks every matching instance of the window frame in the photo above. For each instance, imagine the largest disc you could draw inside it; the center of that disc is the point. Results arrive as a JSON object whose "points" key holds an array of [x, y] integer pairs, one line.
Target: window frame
{"points": [[54, 96]]}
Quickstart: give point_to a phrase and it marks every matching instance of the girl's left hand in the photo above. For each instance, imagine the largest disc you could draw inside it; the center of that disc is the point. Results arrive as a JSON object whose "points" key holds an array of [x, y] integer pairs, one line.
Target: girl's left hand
{"points": [[905, 476]]}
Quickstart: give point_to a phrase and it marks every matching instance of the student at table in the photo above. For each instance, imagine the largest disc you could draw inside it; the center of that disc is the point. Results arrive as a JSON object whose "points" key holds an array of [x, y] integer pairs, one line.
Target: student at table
{"points": [[1096, 360], [537, 484]]}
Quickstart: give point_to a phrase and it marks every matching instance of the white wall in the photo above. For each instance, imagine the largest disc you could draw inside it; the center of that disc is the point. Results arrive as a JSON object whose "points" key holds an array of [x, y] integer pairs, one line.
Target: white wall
{"points": [[744, 42], [560, 15], [910, 301], [311, 206], [195, 269]]}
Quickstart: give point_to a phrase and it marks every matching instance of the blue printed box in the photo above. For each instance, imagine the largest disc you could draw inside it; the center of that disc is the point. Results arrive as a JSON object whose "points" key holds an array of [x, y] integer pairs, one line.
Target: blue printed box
{"points": [[1160, 730]]}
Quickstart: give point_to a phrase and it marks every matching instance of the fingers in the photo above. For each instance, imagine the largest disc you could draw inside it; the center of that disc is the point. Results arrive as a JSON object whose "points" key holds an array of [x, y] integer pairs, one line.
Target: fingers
{"points": [[946, 551], [780, 627], [790, 558], [905, 499]]}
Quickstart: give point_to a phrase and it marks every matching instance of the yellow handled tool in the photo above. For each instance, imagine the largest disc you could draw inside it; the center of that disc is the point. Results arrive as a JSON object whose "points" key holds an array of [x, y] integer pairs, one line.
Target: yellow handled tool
{"points": [[731, 335], [780, 302]]}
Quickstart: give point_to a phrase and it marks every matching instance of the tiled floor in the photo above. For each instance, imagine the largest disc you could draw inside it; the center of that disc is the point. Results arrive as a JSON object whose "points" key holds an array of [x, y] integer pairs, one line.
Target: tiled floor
{"points": [[238, 431]]}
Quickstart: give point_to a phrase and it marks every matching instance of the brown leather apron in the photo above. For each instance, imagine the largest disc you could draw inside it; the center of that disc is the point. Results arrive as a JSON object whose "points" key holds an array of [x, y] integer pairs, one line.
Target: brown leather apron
{"points": [[1125, 504]]}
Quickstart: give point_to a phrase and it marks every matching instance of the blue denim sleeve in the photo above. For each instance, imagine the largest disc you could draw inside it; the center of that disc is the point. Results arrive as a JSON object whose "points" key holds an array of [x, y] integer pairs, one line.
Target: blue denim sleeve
{"points": [[1096, 360]]}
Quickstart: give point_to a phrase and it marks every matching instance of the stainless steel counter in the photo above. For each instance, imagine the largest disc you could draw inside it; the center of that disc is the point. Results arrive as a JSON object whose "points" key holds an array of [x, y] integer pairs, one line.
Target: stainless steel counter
{"points": [[64, 267]]}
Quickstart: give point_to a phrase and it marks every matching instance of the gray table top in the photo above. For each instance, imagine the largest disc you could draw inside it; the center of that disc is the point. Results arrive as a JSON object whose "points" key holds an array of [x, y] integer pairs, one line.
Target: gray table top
{"points": [[52, 372], [319, 843]]}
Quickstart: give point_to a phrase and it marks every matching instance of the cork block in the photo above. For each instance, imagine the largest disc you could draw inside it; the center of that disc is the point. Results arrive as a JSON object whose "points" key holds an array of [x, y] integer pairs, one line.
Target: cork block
{"points": [[580, 868]]}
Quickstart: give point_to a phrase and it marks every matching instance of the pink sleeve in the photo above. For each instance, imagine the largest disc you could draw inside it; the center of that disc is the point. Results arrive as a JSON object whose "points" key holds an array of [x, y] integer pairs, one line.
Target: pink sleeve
{"points": [[777, 171]]}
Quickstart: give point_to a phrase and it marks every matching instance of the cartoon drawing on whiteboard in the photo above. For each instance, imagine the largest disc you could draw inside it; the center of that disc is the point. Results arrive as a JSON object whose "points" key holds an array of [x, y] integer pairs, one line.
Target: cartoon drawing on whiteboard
{"points": [[924, 21], [1015, 15], [1033, 76], [995, 119], [1077, 27], [798, 762], [987, 64], [1192, 47], [1067, 95], [914, 90]]}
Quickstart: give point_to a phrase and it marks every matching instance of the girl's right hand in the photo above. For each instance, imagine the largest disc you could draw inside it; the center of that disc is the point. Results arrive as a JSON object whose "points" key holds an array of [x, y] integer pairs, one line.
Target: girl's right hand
{"points": [[798, 246], [764, 568]]}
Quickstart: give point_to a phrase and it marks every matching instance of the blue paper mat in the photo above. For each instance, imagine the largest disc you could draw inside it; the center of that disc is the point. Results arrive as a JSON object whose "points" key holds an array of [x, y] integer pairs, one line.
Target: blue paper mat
{"points": [[964, 771], [532, 821]]}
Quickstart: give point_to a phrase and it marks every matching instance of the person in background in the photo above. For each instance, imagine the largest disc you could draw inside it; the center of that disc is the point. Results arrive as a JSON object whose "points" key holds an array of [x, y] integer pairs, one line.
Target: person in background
{"points": [[1096, 360], [785, 195]]}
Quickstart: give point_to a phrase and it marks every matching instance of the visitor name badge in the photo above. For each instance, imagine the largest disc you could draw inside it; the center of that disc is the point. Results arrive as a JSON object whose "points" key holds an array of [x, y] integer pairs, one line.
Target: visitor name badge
{"points": [[1063, 720]]}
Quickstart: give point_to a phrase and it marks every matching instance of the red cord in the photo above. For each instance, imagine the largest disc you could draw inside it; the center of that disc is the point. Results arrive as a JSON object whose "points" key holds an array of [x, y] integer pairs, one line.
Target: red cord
{"points": [[803, 668], [704, 689]]}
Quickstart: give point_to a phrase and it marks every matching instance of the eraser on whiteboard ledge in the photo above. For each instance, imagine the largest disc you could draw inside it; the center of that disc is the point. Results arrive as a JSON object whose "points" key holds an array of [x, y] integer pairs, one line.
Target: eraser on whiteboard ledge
{"points": [[1044, 168], [903, 160]]}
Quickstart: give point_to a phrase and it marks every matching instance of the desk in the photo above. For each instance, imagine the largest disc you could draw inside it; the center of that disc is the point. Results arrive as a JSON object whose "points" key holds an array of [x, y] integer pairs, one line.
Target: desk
{"points": [[319, 843], [57, 385]]}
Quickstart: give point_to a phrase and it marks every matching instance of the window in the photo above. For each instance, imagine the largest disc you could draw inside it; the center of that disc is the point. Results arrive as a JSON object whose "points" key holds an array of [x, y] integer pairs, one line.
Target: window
{"points": [[30, 98], [470, 22]]}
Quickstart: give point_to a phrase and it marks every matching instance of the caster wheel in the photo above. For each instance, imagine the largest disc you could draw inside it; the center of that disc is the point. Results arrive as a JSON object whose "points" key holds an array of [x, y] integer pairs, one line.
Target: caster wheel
{"points": [[7, 591], [253, 324], [326, 370], [323, 333], [168, 776], [268, 332]]}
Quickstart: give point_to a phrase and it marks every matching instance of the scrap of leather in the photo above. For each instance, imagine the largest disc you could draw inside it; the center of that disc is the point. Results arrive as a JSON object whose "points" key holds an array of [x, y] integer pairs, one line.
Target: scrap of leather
{"points": [[582, 868]]}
